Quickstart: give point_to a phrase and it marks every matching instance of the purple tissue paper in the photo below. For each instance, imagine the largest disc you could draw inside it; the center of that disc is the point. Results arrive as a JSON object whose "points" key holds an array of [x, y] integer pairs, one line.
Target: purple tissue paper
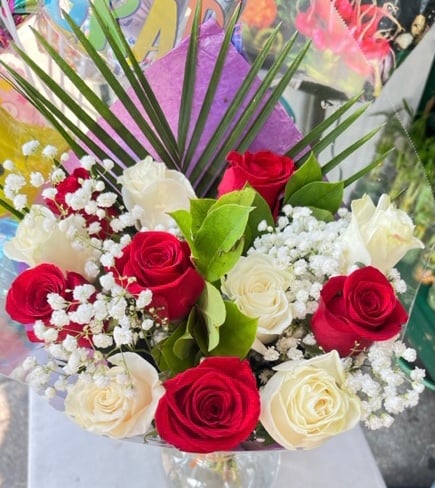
{"points": [[165, 76]]}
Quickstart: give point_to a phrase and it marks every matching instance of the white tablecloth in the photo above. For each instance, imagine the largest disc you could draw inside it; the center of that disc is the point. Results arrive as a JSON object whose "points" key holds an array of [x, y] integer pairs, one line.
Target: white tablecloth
{"points": [[61, 455]]}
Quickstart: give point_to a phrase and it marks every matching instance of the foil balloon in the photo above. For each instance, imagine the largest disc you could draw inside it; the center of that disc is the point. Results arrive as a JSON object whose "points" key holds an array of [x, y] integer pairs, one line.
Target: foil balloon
{"points": [[151, 27], [13, 13]]}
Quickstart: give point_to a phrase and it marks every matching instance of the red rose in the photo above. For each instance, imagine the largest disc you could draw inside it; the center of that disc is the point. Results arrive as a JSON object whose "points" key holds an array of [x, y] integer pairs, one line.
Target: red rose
{"points": [[27, 299], [213, 407], [265, 171], [359, 308], [70, 184], [158, 261]]}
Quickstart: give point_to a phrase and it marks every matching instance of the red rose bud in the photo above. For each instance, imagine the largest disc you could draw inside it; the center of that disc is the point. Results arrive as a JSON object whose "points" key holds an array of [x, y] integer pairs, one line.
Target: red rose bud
{"points": [[357, 309], [265, 171], [212, 407], [159, 262]]}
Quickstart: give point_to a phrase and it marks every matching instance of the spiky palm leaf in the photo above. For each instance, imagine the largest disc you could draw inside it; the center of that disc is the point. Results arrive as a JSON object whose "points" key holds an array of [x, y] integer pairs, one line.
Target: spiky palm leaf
{"points": [[234, 131]]}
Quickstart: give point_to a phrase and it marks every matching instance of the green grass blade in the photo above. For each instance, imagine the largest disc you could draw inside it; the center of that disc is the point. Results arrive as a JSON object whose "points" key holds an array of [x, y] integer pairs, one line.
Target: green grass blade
{"points": [[77, 110], [233, 140], [137, 79], [317, 131], [272, 100], [327, 139], [211, 90], [367, 169], [142, 89], [203, 164], [95, 101], [333, 163], [9, 208], [186, 103]]}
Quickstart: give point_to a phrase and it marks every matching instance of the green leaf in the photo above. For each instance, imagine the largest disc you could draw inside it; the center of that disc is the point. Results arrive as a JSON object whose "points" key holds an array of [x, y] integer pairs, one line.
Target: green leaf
{"points": [[134, 74], [319, 194], [367, 169], [327, 139], [237, 334], [218, 243], [333, 163], [211, 89], [322, 214], [310, 171], [95, 101], [260, 213], [183, 218], [189, 81], [184, 346], [318, 131], [275, 94], [165, 357], [208, 156], [199, 208], [212, 307], [244, 197]]}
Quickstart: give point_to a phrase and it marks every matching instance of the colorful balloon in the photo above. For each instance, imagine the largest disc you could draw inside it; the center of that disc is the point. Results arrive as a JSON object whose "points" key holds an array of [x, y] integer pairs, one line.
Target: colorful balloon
{"points": [[151, 27]]}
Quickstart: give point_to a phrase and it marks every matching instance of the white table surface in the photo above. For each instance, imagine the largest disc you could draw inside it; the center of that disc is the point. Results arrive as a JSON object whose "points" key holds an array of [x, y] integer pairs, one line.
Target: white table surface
{"points": [[62, 455]]}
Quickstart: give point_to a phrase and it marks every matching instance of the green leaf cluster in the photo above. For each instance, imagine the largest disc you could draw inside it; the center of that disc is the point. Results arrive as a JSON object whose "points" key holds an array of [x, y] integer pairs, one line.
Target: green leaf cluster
{"points": [[215, 327], [307, 188], [218, 231]]}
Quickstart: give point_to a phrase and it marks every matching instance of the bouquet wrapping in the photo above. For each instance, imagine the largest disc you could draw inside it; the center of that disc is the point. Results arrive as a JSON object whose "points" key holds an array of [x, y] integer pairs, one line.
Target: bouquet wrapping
{"points": [[213, 304]]}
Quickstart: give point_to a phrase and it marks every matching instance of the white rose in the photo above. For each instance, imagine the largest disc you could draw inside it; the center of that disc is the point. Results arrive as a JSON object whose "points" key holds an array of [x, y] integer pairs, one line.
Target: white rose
{"points": [[258, 288], [112, 410], [304, 402], [39, 239], [378, 236], [157, 190]]}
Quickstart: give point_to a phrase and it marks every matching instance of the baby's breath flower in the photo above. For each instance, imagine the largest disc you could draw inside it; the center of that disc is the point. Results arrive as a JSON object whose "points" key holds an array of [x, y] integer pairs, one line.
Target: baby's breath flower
{"points": [[57, 176], [87, 162], [144, 299], [36, 179], [56, 301], [122, 336], [49, 151], [20, 202], [83, 292], [147, 324], [8, 165], [30, 147], [106, 199], [102, 340]]}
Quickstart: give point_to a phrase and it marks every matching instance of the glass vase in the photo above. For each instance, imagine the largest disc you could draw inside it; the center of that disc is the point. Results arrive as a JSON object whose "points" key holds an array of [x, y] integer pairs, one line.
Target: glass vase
{"points": [[220, 470]]}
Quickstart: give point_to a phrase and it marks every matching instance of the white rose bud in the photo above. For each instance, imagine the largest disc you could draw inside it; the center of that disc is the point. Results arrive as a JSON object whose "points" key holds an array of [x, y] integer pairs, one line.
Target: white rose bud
{"points": [[157, 190], [378, 236]]}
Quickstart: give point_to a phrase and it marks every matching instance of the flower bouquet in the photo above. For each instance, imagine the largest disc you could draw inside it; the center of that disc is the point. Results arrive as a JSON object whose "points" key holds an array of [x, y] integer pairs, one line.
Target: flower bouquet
{"points": [[191, 290]]}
